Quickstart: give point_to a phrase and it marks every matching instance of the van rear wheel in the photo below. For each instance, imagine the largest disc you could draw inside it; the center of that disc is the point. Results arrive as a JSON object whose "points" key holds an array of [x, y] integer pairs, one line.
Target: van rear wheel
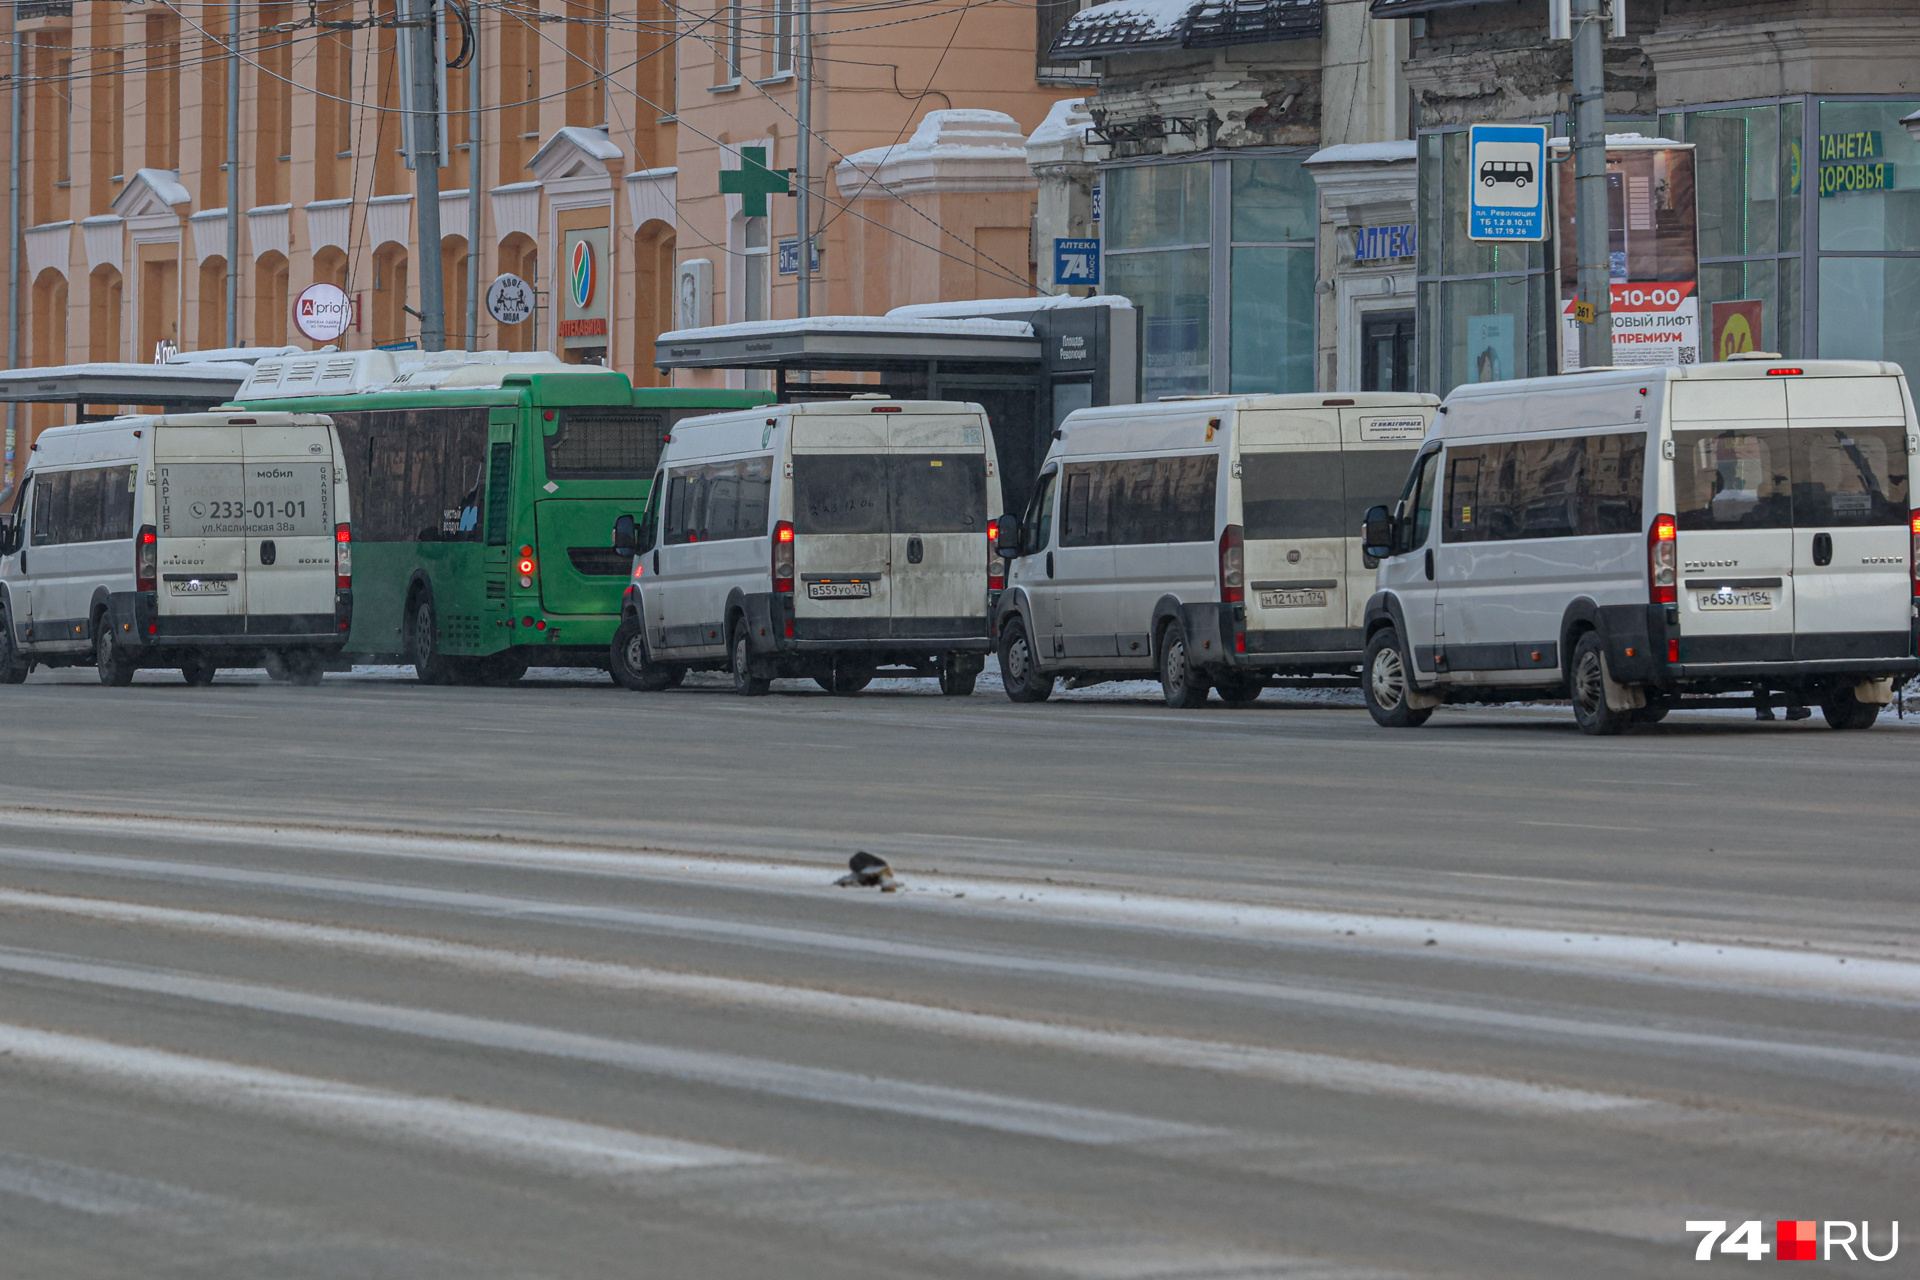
{"points": [[198, 669], [745, 683], [1587, 688], [1181, 684], [1387, 684], [1842, 710], [1020, 671], [13, 664], [1239, 691], [115, 668], [957, 676]]}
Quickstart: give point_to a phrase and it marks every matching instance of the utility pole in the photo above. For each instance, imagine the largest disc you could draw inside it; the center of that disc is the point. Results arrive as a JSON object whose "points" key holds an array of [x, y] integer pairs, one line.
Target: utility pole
{"points": [[233, 174], [1592, 238], [13, 247], [426, 154], [473, 184], [802, 158]]}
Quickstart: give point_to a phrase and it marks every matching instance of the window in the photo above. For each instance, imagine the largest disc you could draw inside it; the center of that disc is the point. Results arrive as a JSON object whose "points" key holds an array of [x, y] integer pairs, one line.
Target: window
{"points": [[1849, 477], [1807, 478], [1569, 487], [782, 36], [91, 505], [417, 475], [738, 496], [605, 444], [499, 483], [937, 492], [840, 493], [1732, 480], [1133, 501], [1320, 494], [163, 92], [1157, 252], [730, 22], [1036, 527], [1417, 505], [754, 275]]}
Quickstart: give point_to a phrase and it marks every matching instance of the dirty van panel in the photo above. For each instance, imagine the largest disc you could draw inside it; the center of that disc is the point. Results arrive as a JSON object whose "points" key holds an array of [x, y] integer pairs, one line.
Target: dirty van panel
{"points": [[865, 433], [1294, 514], [842, 535], [1746, 401], [289, 475], [200, 522], [923, 431], [1851, 491], [938, 504], [1733, 498]]}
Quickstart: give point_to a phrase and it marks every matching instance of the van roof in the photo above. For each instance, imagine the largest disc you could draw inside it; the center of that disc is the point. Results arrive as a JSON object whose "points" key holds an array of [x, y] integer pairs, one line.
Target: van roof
{"points": [[1647, 375], [827, 409], [132, 421], [1298, 400]]}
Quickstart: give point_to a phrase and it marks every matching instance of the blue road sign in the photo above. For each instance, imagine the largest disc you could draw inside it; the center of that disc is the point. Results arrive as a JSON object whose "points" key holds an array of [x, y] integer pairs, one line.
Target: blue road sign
{"points": [[1507, 182], [1076, 261], [790, 258]]}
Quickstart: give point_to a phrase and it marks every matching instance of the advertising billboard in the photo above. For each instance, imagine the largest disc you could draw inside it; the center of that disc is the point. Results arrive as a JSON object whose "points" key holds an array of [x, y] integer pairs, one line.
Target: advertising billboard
{"points": [[1653, 256]]}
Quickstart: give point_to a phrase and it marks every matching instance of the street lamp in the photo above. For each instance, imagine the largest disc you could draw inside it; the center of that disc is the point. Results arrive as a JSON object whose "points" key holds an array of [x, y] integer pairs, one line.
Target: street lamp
{"points": [[1913, 125]]}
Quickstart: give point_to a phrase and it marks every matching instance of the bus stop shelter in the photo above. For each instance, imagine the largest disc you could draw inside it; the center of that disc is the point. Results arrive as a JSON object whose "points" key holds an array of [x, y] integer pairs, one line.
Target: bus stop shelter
{"points": [[125, 388], [1027, 361]]}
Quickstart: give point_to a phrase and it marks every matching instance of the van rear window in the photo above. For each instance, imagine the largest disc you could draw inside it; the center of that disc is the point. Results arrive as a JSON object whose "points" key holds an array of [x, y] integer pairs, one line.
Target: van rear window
{"points": [[939, 492], [1801, 477], [1320, 494], [898, 493]]}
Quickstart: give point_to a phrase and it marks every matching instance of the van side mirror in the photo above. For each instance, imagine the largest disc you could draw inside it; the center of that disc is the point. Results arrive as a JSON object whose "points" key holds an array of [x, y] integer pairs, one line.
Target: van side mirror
{"points": [[1007, 545], [623, 536], [1376, 534]]}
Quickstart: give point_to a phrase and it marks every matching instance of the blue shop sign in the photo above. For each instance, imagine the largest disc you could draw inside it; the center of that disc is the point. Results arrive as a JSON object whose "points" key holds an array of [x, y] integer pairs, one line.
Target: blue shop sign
{"points": [[1381, 244], [1076, 261]]}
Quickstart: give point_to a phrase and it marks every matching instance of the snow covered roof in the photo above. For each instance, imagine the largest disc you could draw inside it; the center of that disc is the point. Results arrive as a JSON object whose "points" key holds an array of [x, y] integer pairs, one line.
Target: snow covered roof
{"points": [[887, 324], [1619, 142], [202, 383], [320, 373], [235, 355], [1366, 153], [1139, 26], [956, 150], [979, 307]]}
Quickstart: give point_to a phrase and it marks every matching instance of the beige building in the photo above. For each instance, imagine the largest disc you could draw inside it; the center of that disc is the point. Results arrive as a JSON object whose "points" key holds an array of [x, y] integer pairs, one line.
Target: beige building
{"points": [[603, 126]]}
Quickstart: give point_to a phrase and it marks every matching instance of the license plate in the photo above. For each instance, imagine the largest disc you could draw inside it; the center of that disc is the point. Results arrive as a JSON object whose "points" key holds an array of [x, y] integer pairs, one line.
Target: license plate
{"points": [[839, 590], [196, 587], [1293, 599], [1725, 601]]}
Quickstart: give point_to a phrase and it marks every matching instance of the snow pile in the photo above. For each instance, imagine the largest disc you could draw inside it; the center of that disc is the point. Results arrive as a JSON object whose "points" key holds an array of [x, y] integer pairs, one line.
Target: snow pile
{"points": [[969, 328], [1366, 153]]}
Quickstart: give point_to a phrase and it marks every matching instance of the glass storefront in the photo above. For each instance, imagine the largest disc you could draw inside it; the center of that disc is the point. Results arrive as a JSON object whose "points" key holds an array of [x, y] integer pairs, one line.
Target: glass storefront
{"points": [[1218, 255]]}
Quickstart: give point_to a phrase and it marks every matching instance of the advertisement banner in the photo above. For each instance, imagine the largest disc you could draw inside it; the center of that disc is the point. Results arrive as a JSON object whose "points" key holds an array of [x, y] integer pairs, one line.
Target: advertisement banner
{"points": [[1653, 256], [1736, 327], [583, 288]]}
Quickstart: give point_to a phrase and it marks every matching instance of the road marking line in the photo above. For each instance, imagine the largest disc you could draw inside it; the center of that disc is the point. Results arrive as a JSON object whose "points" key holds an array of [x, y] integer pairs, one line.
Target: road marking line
{"points": [[558, 1146], [1059, 1121], [1619, 955], [1314, 1070]]}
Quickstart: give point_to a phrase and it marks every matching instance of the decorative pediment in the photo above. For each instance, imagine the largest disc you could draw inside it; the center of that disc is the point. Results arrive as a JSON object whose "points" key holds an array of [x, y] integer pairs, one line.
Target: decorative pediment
{"points": [[574, 152], [150, 192]]}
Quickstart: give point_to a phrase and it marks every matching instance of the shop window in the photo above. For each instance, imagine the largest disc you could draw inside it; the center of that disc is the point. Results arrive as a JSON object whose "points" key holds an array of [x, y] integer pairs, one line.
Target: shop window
{"points": [[1869, 178]]}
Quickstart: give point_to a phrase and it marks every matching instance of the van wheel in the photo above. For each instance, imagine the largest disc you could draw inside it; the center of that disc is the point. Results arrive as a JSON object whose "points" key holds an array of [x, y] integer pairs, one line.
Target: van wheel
{"points": [[957, 678], [745, 683], [198, 670], [13, 664], [1020, 671], [845, 679], [1844, 711], [1180, 683], [632, 667], [423, 644], [304, 669], [115, 668], [1239, 691], [1387, 684], [1588, 689], [1652, 713]]}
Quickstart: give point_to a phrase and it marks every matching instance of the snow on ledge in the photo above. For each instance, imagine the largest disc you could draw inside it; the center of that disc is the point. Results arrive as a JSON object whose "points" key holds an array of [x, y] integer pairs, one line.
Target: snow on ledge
{"points": [[1005, 306], [1366, 153], [889, 323]]}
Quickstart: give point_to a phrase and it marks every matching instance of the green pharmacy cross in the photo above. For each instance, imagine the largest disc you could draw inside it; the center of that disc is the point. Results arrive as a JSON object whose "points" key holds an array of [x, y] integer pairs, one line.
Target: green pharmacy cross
{"points": [[753, 182]]}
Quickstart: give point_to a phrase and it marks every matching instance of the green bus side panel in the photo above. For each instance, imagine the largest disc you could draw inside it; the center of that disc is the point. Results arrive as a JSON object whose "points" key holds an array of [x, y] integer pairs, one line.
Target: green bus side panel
{"points": [[382, 573], [579, 573]]}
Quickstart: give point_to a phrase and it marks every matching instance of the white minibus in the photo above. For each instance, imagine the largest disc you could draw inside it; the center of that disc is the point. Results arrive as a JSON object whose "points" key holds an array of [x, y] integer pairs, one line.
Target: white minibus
{"points": [[1654, 539]]}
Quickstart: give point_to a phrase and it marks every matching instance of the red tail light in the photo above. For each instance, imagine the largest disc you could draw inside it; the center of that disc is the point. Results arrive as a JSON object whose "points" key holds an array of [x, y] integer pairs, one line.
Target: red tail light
{"points": [[1913, 556], [342, 556], [146, 560], [1662, 561], [1673, 651], [1783, 373], [525, 566], [783, 556], [996, 567], [1233, 565]]}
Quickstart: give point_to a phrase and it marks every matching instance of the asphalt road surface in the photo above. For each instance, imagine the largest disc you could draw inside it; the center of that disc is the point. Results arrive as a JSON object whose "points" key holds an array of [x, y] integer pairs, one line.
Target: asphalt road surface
{"points": [[376, 980]]}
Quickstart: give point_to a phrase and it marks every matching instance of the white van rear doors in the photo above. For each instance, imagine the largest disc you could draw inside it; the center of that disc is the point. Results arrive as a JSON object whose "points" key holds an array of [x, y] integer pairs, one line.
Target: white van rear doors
{"points": [[937, 500], [1851, 489], [843, 541], [288, 485], [1733, 494], [1295, 514], [200, 515]]}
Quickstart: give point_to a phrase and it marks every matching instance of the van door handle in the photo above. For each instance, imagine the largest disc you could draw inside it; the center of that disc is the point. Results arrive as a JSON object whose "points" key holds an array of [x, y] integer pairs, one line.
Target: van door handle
{"points": [[916, 550], [1429, 564], [1823, 548], [267, 551], [1049, 564]]}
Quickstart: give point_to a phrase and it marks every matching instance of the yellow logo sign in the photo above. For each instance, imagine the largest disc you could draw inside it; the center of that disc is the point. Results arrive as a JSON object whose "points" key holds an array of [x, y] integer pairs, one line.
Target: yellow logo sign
{"points": [[1736, 336]]}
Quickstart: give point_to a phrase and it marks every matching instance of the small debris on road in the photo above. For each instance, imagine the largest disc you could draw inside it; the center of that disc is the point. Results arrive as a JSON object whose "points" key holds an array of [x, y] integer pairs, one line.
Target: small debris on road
{"points": [[866, 871]]}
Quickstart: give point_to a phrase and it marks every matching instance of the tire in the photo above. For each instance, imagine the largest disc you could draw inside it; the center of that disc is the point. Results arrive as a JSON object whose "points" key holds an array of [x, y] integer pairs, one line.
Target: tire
{"points": [[430, 666], [1652, 713], [1386, 684], [1181, 685], [632, 667], [845, 680], [13, 664], [957, 679], [198, 670], [1844, 711], [1239, 691], [745, 683], [1019, 667], [498, 670], [1586, 687], [116, 668]]}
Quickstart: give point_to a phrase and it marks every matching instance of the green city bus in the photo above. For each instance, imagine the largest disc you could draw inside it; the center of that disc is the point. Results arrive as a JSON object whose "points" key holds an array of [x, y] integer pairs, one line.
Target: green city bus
{"points": [[484, 488]]}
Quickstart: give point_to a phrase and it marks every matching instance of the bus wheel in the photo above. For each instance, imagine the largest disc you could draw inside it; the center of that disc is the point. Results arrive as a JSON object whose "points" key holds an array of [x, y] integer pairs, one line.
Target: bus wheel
{"points": [[303, 669], [630, 664], [423, 644], [1385, 684], [13, 664], [1844, 711]]}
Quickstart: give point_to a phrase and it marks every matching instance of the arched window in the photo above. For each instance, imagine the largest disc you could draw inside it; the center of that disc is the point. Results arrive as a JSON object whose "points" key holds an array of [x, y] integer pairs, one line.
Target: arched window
{"points": [[49, 347], [211, 332], [103, 315], [389, 294], [653, 271], [270, 305], [453, 287], [519, 257]]}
